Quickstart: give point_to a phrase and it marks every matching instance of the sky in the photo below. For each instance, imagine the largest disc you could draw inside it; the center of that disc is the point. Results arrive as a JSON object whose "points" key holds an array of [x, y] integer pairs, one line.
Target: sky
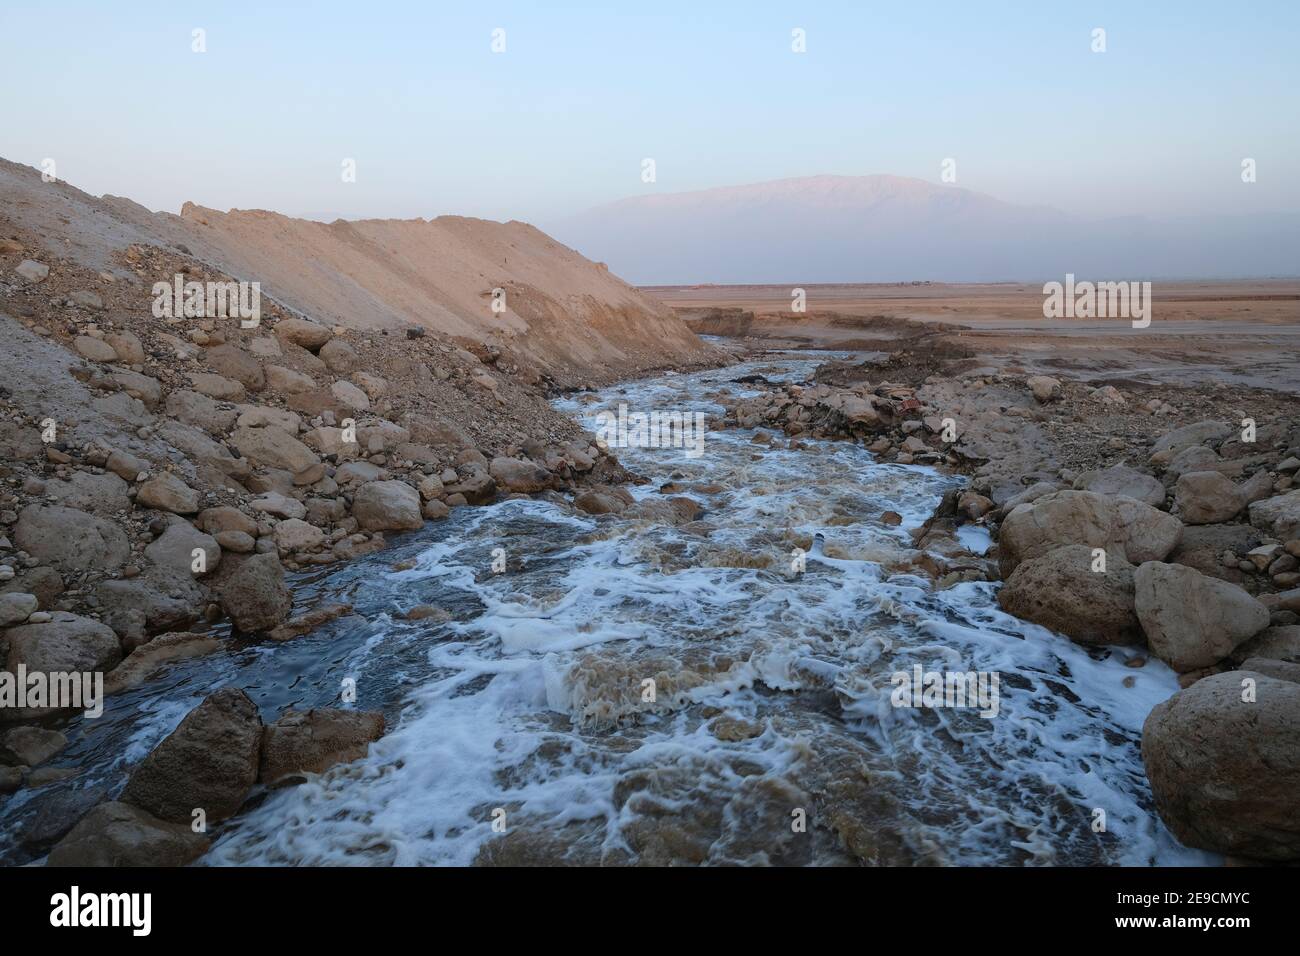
{"points": [[562, 119]]}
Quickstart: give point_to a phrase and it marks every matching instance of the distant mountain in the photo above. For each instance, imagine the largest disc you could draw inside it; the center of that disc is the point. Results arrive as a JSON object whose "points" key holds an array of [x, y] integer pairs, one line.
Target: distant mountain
{"points": [[893, 228]]}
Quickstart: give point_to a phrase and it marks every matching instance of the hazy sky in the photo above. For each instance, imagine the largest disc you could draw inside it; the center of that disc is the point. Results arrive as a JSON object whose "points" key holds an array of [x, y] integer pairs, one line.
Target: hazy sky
{"points": [[438, 123]]}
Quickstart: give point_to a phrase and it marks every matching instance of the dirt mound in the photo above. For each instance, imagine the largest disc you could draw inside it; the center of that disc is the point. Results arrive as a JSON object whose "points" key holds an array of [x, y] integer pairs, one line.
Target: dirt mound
{"points": [[560, 311]]}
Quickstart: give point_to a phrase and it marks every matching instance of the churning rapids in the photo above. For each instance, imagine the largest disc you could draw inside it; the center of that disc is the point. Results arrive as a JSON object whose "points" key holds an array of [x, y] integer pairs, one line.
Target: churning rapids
{"points": [[772, 688]]}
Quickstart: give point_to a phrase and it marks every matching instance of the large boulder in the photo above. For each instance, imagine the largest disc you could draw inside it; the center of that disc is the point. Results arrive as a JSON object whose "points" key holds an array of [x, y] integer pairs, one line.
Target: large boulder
{"points": [[517, 475], [1139, 531], [273, 447], [1061, 591], [255, 596], [200, 411], [304, 333], [1279, 515], [161, 599], [1225, 771], [65, 644], [209, 762], [99, 494], [237, 364], [71, 540], [387, 506], [1122, 480], [313, 741], [118, 834], [1202, 548], [1281, 643], [1206, 497], [1196, 434], [175, 549], [166, 492], [1193, 621]]}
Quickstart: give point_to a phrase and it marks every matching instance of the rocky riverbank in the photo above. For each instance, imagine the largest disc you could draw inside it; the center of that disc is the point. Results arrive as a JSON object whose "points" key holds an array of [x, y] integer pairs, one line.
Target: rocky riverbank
{"points": [[161, 475], [1165, 518]]}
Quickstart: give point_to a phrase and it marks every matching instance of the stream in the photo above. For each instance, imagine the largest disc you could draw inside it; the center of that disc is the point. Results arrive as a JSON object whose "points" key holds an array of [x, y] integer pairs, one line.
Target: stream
{"points": [[519, 727]]}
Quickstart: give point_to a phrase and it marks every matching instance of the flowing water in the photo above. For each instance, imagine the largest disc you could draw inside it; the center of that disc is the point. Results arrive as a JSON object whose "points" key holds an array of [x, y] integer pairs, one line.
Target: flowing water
{"points": [[521, 729]]}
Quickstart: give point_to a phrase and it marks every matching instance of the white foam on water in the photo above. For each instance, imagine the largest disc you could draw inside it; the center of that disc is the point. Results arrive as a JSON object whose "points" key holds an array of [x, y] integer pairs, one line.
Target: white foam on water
{"points": [[533, 703]]}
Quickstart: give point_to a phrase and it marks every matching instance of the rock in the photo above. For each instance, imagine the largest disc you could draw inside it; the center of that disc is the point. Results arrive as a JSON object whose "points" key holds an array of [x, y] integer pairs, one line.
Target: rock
{"points": [[302, 624], [1275, 643], [174, 549], [358, 471], [160, 599], [259, 416], [1225, 772], [350, 395], [1279, 515], [1122, 480], [1202, 547], [309, 335], [287, 381], [56, 814], [387, 506], [71, 540], [1141, 532], [1190, 620], [99, 494], [374, 386], [11, 778], [434, 510], [282, 506], [32, 271], [1061, 591], [126, 346], [166, 492], [1188, 435], [200, 411], [1280, 670], [255, 596], [1206, 497], [118, 834], [225, 518], [1045, 388], [217, 386], [30, 746], [265, 347], [339, 357], [974, 506], [148, 658], [273, 447], [430, 487], [43, 583], [67, 643], [93, 349], [312, 741], [602, 501], [86, 299], [238, 542], [146, 389], [293, 534], [16, 607], [209, 762], [477, 488], [235, 363], [126, 466], [520, 476]]}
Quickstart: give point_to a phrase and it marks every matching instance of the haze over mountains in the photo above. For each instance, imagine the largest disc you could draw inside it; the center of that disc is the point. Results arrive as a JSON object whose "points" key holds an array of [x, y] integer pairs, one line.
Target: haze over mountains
{"points": [[891, 228]]}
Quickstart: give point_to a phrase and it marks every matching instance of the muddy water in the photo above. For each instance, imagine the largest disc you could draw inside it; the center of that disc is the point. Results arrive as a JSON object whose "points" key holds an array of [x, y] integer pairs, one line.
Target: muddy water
{"points": [[521, 732]]}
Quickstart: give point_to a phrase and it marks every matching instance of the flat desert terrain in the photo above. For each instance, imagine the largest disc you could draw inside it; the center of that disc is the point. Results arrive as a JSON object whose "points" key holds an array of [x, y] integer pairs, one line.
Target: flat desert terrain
{"points": [[1246, 332]]}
